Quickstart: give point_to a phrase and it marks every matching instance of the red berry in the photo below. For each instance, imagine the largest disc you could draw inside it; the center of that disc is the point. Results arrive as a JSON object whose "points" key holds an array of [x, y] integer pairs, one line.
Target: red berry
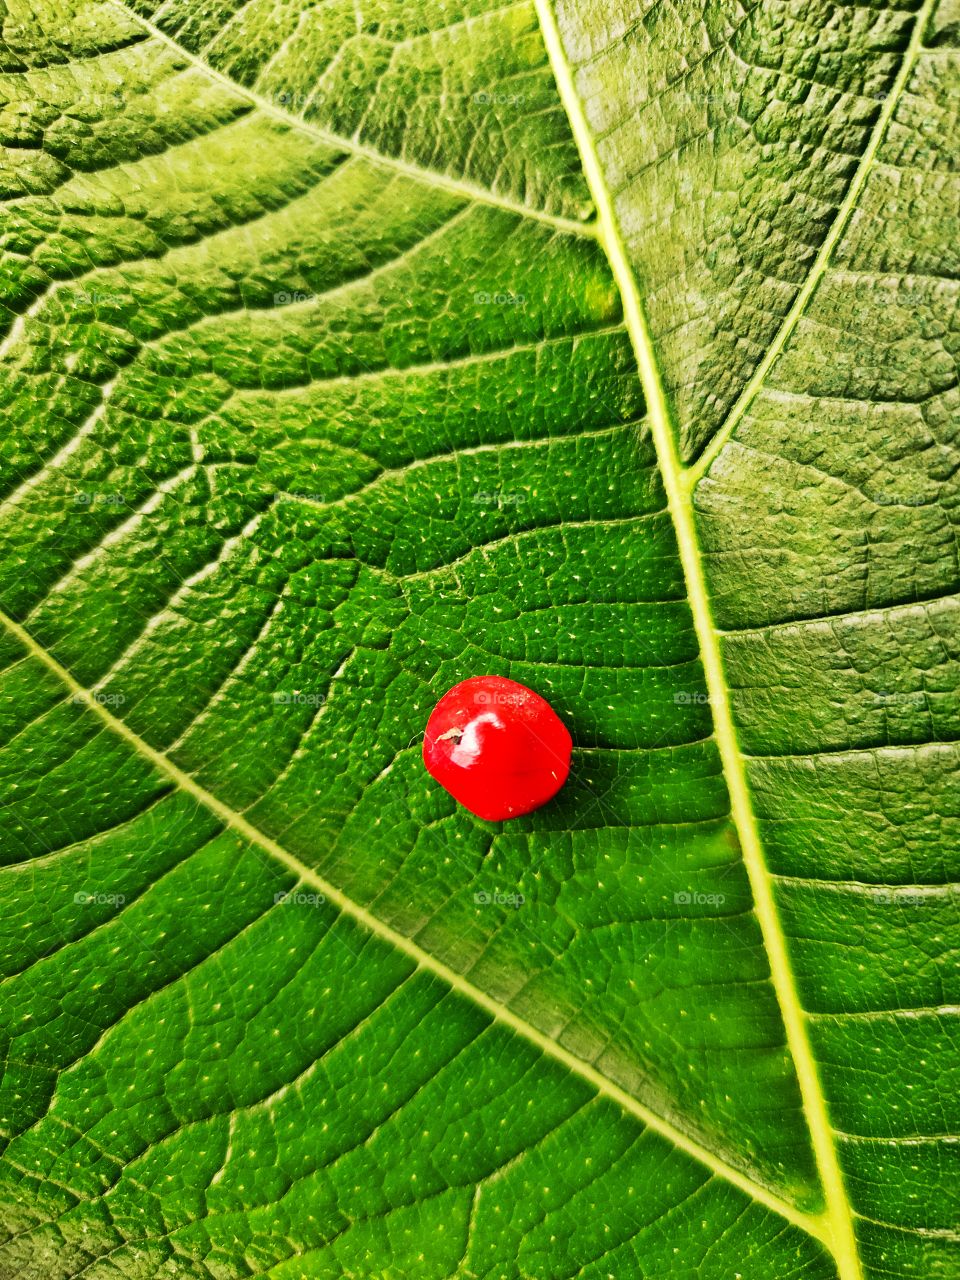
{"points": [[497, 747]]}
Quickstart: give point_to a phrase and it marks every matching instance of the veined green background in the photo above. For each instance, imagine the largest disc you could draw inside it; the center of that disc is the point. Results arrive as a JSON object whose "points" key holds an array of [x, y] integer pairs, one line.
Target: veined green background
{"points": [[324, 391]]}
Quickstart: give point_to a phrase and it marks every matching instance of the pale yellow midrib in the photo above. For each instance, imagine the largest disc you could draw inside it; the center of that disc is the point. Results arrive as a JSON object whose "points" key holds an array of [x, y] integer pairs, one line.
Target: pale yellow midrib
{"points": [[839, 1218], [815, 1225], [431, 177]]}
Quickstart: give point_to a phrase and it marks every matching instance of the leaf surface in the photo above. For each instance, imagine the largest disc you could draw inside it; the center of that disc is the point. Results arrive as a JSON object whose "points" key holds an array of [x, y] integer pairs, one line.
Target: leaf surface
{"points": [[328, 390]]}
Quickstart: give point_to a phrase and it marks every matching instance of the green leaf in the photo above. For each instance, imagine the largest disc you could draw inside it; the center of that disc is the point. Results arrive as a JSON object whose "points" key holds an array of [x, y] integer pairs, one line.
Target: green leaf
{"points": [[351, 352]]}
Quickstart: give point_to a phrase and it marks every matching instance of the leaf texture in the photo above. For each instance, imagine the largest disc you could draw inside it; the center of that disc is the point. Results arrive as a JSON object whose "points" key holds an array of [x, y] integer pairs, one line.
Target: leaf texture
{"points": [[328, 389]]}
